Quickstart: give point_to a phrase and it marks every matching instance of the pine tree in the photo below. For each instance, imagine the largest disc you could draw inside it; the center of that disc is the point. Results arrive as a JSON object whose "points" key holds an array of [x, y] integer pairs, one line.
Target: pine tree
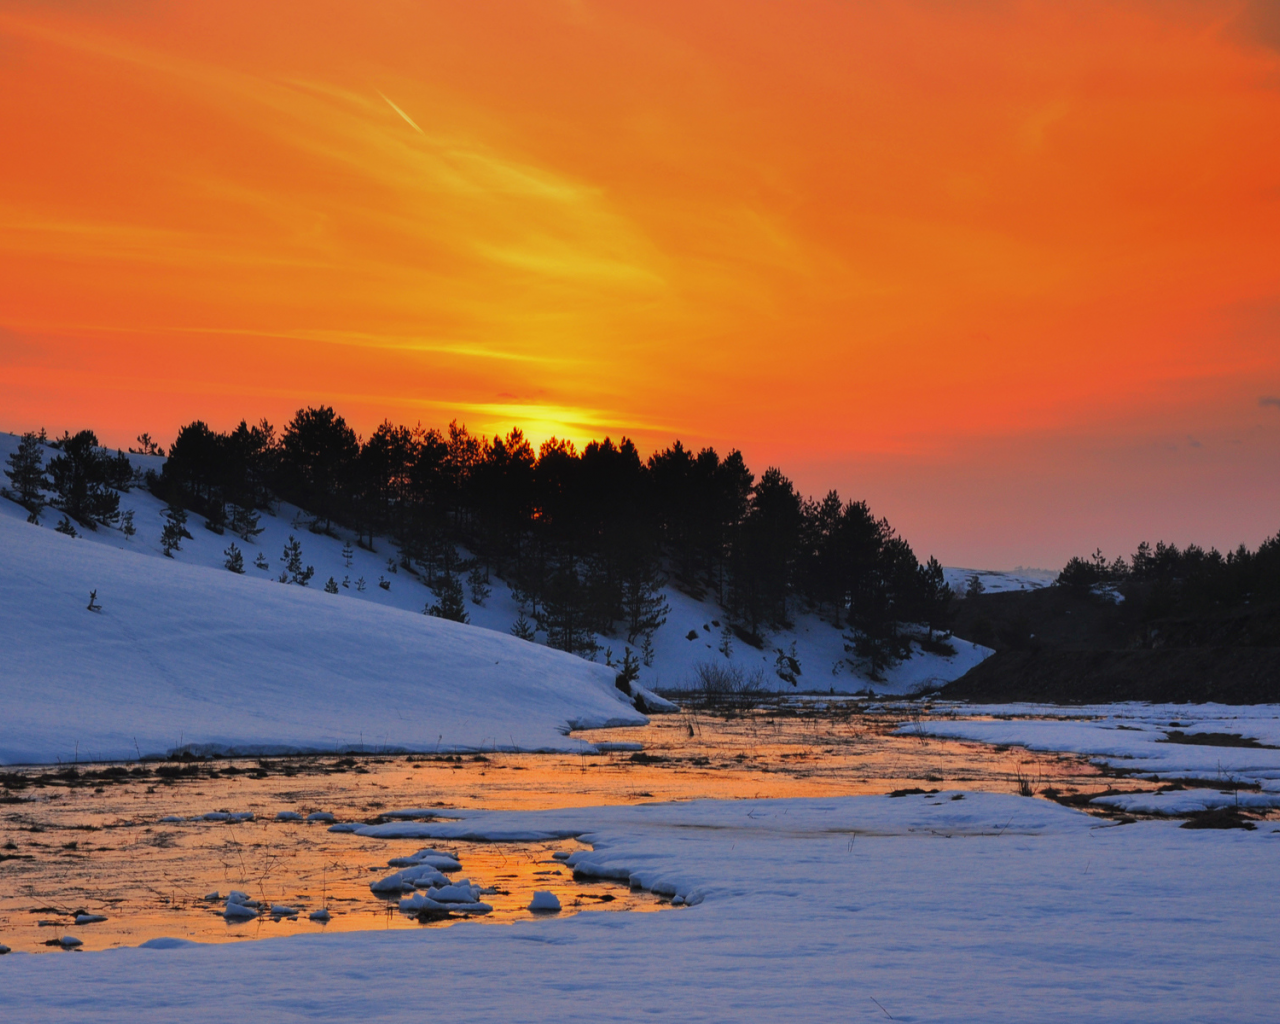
{"points": [[564, 614], [66, 527], [347, 553], [244, 522], [27, 474], [934, 595], [216, 520], [331, 587], [146, 446], [726, 642], [81, 478], [478, 582], [261, 561], [523, 629], [293, 571], [175, 529], [449, 600], [360, 585], [126, 523], [644, 606], [628, 672], [234, 559]]}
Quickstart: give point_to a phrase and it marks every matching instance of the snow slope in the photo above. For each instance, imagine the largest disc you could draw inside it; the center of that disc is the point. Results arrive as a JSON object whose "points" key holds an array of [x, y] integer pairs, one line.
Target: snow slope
{"points": [[998, 582], [819, 648], [989, 908], [184, 656]]}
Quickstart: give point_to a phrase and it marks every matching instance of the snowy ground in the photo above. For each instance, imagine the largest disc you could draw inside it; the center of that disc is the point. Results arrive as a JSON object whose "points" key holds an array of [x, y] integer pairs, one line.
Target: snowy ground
{"points": [[998, 582], [818, 647], [986, 908], [1137, 738], [184, 656]]}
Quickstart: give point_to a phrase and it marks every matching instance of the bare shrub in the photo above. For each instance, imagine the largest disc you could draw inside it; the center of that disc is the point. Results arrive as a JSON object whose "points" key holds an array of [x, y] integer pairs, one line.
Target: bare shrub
{"points": [[720, 681]]}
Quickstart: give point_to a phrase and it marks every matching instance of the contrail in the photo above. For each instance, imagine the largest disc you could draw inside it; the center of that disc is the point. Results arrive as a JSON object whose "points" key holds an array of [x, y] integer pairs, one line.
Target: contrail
{"points": [[400, 112]]}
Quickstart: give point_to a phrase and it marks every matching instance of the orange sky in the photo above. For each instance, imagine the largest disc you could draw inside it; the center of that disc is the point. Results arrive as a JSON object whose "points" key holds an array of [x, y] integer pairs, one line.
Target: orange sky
{"points": [[1010, 271]]}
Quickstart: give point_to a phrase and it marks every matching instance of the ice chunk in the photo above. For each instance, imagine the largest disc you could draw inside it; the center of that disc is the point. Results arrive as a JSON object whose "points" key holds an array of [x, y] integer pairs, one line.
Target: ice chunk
{"points": [[242, 911], [89, 918], [170, 819], [164, 942], [236, 896], [320, 915], [242, 816], [544, 901], [3, 949], [418, 902], [321, 816], [213, 897], [70, 942], [216, 816], [280, 910], [437, 859], [420, 875], [455, 892], [288, 816]]}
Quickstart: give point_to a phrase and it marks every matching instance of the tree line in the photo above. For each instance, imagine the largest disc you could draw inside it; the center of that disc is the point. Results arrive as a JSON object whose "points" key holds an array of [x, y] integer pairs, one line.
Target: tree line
{"points": [[587, 540], [1189, 580]]}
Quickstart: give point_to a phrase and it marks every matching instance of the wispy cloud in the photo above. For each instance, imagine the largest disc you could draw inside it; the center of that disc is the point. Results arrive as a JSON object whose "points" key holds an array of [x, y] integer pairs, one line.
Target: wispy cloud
{"points": [[1266, 400], [412, 124]]}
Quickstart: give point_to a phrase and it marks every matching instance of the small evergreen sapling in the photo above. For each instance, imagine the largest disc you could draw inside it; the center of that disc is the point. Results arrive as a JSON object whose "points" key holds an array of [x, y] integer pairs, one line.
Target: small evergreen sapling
{"points": [[523, 629], [234, 559], [628, 672], [292, 558], [450, 603], [175, 529], [126, 523], [331, 587], [261, 561], [726, 642], [360, 585], [478, 582], [93, 605], [66, 527], [347, 553]]}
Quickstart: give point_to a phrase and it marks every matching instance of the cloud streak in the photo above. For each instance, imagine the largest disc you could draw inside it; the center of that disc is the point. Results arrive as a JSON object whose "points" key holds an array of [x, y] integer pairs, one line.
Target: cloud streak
{"points": [[412, 124]]}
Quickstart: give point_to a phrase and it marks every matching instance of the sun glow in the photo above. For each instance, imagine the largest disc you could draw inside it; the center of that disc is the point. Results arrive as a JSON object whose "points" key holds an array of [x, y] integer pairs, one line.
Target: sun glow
{"points": [[883, 245]]}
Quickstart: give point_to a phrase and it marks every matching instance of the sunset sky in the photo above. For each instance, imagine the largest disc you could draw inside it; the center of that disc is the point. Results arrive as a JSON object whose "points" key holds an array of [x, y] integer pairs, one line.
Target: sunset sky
{"points": [[1009, 271]]}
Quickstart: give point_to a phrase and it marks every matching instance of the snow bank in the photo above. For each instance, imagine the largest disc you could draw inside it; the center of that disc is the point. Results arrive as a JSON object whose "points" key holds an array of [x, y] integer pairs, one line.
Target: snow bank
{"points": [[1133, 736], [187, 657]]}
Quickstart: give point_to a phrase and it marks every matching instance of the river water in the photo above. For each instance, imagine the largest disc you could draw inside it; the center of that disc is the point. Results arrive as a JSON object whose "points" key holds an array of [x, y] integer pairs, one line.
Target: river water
{"points": [[90, 839]]}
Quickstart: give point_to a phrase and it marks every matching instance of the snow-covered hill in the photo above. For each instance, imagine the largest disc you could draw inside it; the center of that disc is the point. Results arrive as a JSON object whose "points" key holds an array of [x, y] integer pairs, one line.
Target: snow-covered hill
{"points": [[694, 630], [998, 582]]}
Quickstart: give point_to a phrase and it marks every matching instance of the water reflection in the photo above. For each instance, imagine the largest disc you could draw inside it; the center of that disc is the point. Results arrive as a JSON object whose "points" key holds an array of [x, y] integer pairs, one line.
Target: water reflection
{"points": [[91, 840]]}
